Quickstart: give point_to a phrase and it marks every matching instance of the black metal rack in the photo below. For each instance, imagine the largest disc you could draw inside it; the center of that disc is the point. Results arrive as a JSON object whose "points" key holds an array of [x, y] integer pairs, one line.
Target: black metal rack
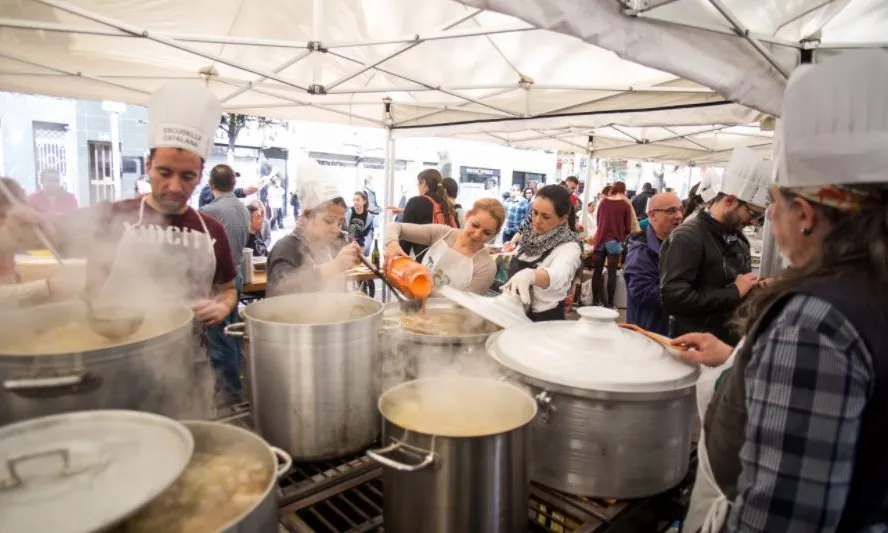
{"points": [[345, 496]]}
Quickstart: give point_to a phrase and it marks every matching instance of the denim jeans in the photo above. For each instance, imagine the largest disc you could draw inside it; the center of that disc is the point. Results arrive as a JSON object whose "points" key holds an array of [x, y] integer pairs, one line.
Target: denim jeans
{"points": [[225, 354]]}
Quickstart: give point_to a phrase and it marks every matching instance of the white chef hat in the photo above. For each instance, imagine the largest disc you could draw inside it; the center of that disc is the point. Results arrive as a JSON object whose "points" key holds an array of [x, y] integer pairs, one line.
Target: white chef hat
{"points": [[834, 124], [747, 177], [316, 185], [183, 115], [710, 184]]}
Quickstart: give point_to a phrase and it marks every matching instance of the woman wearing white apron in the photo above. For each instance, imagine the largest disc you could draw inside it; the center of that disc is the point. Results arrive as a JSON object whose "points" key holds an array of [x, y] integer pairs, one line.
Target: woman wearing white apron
{"points": [[311, 258], [456, 257], [794, 435]]}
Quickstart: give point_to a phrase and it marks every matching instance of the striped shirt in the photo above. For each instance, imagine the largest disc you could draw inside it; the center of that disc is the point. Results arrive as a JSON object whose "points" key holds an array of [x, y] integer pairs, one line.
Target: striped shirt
{"points": [[235, 218]]}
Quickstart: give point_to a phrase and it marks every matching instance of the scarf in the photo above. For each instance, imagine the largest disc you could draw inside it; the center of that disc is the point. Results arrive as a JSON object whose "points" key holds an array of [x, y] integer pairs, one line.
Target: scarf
{"points": [[534, 244]]}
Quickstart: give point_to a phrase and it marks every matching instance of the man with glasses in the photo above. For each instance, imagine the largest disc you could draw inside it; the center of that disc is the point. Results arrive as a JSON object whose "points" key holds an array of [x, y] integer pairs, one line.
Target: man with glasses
{"points": [[641, 269], [706, 264]]}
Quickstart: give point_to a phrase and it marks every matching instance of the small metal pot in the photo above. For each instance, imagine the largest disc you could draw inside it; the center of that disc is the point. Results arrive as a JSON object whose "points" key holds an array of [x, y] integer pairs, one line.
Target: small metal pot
{"points": [[439, 479]]}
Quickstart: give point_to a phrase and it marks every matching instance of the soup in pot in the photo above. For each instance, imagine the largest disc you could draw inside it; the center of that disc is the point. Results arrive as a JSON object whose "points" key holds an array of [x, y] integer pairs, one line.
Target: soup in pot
{"points": [[214, 489], [447, 323], [75, 336]]}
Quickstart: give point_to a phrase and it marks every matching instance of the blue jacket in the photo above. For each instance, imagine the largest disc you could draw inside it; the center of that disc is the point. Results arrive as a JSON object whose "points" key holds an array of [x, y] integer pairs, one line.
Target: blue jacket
{"points": [[642, 274]]}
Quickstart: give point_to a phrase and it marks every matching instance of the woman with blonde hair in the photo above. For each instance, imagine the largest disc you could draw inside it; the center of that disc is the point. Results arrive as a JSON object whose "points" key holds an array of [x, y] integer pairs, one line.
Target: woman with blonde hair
{"points": [[456, 257]]}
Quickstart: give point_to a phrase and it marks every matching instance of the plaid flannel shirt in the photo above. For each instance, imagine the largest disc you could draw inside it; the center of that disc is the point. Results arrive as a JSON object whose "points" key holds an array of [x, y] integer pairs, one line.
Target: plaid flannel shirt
{"points": [[516, 213], [807, 384]]}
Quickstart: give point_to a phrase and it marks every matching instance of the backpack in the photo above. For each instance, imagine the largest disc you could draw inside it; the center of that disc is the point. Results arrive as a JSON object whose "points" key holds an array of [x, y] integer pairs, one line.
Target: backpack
{"points": [[438, 215]]}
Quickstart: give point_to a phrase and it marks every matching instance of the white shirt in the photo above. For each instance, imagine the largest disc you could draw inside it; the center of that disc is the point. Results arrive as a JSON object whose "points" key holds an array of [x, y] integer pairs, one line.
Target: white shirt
{"points": [[275, 197], [562, 266]]}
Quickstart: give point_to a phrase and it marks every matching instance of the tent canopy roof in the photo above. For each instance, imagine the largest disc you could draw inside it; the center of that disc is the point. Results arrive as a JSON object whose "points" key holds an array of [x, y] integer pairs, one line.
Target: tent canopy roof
{"points": [[447, 68]]}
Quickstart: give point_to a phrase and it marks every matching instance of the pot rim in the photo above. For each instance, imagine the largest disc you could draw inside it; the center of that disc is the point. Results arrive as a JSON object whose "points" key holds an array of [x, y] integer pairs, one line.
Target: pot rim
{"points": [[495, 382], [255, 320], [397, 331], [120, 349]]}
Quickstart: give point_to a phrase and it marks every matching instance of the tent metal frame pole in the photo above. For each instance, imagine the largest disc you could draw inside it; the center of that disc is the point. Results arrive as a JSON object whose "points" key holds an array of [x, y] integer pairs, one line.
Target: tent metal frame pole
{"points": [[721, 31], [388, 196], [317, 35], [435, 36], [280, 68], [687, 137], [135, 30], [535, 87], [646, 5], [72, 73], [456, 22], [844, 46], [449, 107], [744, 32], [429, 85]]}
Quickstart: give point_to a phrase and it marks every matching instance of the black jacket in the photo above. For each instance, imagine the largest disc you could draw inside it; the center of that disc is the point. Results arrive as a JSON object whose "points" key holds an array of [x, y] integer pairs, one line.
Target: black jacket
{"points": [[698, 264]]}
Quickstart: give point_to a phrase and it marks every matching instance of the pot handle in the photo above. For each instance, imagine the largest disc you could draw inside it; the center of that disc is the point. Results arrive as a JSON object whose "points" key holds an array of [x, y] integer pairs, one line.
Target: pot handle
{"points": [[285, 462], [52, 386], [377, 455], [236, 330]]}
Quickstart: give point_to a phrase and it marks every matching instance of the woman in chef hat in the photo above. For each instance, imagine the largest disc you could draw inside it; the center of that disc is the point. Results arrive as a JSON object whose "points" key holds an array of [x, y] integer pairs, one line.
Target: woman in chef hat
{"points": [[793, 437], [307, 260]]}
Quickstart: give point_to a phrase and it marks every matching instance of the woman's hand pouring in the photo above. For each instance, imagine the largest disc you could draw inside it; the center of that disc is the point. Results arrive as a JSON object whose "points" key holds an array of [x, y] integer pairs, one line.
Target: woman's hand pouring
{"points": [[393, 250], [521, 285]]}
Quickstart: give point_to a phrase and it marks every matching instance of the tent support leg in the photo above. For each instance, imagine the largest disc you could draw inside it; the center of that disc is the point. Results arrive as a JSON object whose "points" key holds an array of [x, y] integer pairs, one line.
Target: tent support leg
{"points": [[743, 31], [388, 195]]}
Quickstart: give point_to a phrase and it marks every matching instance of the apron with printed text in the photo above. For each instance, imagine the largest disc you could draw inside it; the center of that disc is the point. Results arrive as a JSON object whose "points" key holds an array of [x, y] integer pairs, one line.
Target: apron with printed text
{"points": [[448, 266], [708, 509]]}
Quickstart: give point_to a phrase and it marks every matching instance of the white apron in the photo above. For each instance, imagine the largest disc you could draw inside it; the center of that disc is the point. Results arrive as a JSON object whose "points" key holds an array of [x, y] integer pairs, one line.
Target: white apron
{"points": [[167, 263], [708, 509], [448, 267]]}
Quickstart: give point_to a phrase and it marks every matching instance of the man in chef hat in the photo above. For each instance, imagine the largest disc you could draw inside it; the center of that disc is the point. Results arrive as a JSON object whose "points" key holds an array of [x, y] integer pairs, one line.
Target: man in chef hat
{"points": [[794, 436], [706, 263]]}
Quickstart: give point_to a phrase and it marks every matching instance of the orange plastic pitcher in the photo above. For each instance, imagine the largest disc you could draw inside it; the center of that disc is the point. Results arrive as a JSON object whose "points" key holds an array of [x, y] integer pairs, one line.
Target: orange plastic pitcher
{"points": [[409, 277]]}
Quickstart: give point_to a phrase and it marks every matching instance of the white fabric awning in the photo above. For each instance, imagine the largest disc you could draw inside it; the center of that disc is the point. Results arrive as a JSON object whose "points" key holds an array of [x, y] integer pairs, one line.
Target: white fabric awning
{"points": [[743, 49], [447, 68]]}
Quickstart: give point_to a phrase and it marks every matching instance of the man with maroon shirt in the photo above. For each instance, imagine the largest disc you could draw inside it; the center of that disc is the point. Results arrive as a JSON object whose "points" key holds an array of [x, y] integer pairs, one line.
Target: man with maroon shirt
{"points": [[52, 199]]}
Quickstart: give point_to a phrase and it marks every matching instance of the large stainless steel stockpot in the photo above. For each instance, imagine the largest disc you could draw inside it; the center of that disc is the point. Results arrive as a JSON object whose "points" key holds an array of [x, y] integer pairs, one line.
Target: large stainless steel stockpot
{"points": [[455, 455], [617, 408], [314, 371], [154, 370], [410, 353]]}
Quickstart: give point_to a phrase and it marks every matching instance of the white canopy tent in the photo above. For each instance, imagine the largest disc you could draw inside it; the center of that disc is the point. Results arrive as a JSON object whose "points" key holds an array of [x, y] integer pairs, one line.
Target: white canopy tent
{"points": [[431, 68]]}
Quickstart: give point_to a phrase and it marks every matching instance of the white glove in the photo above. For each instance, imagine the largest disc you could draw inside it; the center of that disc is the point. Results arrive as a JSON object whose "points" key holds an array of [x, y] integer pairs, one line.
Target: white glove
{"points": [[520, 284]]}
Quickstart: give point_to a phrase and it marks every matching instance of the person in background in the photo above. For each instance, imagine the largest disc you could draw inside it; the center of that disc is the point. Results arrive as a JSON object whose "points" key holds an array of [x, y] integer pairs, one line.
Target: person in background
{"points": [[372, 201], [548, 255], [276, 203], [795, 419], [306, 260], [206, 194], [639, 203], [260, 232], [588, 220], [528, 194], [613, 227], [642, 268], [235, 218], [517, 210], [52, 198], [706, 264], [359, 225], [294, 203], [456, 257], [573, 185], [430, 207], [452, 188]]}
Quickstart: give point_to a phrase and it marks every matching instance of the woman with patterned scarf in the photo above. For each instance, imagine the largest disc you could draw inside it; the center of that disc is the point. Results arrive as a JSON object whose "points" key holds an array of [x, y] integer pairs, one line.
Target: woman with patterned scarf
{"points": [[795, 419], [549, 253]]}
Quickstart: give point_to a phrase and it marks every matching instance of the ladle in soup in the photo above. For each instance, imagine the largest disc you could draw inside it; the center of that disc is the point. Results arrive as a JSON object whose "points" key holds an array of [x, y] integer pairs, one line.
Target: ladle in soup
{"points": [[113, 322]]}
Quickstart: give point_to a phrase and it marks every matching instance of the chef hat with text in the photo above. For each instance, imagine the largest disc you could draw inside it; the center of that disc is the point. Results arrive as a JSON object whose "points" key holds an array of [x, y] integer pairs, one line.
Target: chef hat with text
{"points": [[316, 185], [834, 124], [747, 177], [183, 115], [710, 184]]}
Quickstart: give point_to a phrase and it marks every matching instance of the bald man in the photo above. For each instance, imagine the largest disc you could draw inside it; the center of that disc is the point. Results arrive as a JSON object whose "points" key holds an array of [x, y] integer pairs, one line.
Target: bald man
{"points": [[642, 268]]}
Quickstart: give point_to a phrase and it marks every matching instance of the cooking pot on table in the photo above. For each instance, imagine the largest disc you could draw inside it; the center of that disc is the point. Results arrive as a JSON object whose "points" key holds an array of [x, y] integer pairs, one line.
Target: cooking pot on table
{"points": [[314, 371], [617, 407], [420, 345], [152, 370], [455, 455]]}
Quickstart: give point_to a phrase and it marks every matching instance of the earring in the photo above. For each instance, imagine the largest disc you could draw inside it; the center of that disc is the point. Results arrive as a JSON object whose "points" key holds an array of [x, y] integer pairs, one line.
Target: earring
{"points": [[807, 232]]}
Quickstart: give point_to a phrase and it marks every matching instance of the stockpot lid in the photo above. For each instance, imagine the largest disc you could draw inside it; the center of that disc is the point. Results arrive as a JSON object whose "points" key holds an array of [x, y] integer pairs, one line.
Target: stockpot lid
{"points": [[592, 353], [86, 471], [504, 310]]}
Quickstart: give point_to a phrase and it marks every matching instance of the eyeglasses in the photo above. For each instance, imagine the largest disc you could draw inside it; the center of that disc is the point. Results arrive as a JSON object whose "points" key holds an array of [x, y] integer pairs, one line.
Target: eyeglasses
{"points": [[668, 210]]}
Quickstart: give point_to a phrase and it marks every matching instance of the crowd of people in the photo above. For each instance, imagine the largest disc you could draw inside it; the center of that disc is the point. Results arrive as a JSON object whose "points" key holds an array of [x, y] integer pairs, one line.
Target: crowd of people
{"points": [[794, 407]]}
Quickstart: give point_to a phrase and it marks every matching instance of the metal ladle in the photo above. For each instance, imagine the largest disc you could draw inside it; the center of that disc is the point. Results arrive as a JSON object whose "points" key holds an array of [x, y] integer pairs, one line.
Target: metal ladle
{"points": [[110, 321]]}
